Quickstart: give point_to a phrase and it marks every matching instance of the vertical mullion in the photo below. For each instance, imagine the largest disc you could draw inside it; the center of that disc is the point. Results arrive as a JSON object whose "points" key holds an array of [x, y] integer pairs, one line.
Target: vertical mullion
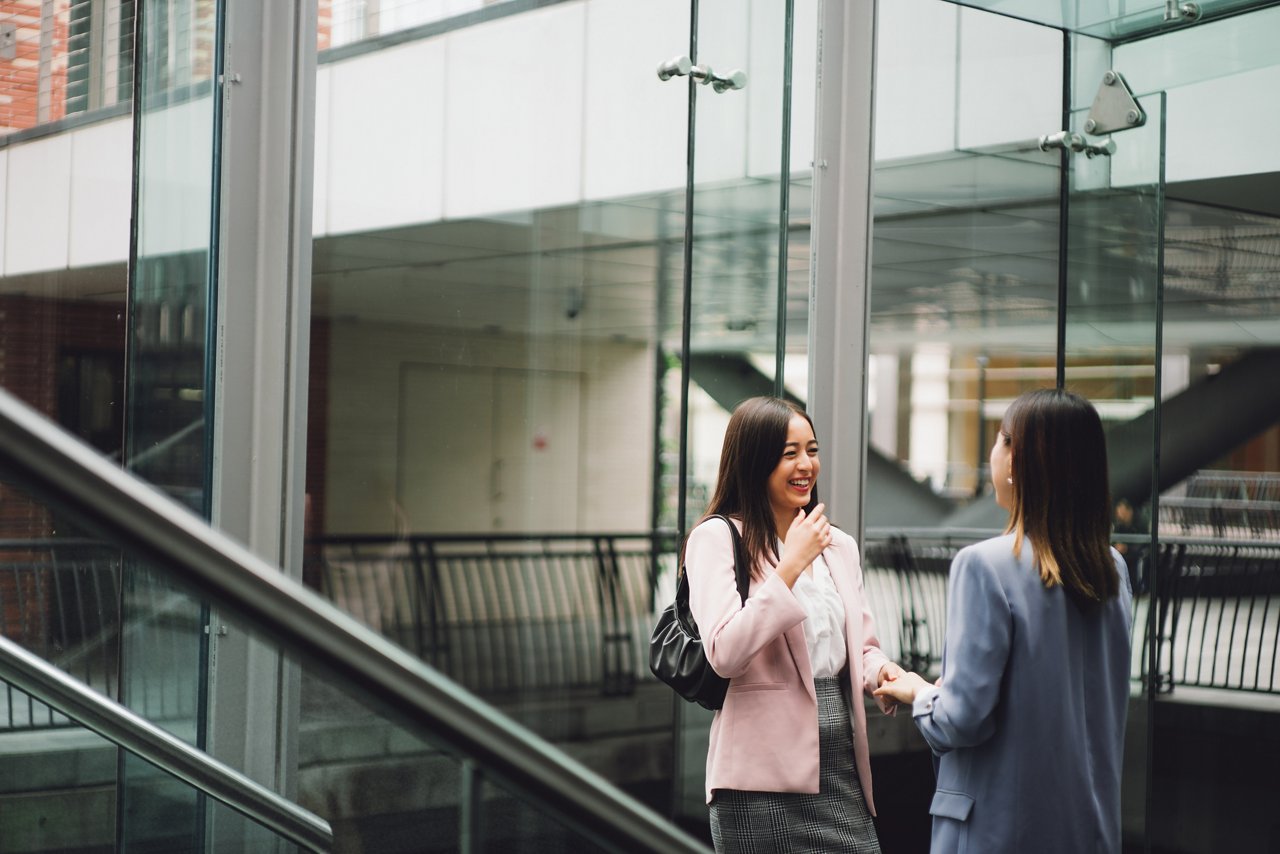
{"points": [[784, 201]]}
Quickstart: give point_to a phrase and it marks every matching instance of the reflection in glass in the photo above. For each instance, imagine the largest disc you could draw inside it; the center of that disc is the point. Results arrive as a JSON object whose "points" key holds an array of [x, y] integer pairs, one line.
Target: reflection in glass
{"points": [[1112, 20], [965, 265], [59, 785], [490, 310], [384, 783], [170, 410], [64, 242]]}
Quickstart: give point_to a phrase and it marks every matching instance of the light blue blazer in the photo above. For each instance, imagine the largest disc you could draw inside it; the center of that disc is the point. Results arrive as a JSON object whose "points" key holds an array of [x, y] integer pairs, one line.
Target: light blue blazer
{"points": [[1028, 724]]}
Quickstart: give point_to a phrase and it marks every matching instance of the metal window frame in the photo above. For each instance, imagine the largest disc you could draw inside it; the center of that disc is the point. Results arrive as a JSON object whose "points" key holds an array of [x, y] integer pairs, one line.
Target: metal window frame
{"points": [[840, 268]]}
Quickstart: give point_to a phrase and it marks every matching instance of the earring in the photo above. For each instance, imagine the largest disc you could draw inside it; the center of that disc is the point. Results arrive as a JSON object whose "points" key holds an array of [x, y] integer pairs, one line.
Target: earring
{"points": [[1010, 479]]}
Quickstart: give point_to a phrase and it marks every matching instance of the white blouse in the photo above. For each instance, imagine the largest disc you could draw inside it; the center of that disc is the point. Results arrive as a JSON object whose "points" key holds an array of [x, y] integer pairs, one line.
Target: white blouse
{"points": [[824, 626]]}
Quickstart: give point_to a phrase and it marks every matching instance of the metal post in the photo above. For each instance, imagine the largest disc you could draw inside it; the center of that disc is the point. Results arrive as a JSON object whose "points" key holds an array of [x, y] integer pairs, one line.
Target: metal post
{"points": [[840, 272]]}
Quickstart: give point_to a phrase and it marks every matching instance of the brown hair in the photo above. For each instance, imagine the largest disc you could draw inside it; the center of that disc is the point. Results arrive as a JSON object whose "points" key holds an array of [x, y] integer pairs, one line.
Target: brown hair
{"points": [[1061, 496], [754, 442]]}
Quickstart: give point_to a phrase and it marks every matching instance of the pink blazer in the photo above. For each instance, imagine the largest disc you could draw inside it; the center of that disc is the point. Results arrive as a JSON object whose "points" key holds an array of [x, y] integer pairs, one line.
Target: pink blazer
{"points": [[765, 738]]}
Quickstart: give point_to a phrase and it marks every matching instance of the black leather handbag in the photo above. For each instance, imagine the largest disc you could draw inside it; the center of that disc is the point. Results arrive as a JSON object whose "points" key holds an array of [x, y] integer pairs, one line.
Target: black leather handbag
{"points": [[675, 648]]}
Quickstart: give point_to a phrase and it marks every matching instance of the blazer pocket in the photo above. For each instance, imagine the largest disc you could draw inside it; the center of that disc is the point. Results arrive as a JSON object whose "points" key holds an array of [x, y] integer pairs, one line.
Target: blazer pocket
{"points": [[735, 688], [949, 804]]}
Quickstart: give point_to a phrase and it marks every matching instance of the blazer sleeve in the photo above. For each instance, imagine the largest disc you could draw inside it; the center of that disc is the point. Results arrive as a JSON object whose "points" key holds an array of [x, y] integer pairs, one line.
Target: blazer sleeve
{"points": [[961, 712], [732, 633]]}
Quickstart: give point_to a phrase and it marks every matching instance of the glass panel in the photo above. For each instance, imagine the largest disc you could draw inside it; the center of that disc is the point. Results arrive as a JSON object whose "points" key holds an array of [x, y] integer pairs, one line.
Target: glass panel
{"points": [[1214, 592], [963, 314], [64, 246], [60, 791], [742, 250], [1111, 355], [385, 784], [59, 785], [173, 271], [59, 788], [1115, 19], [344, 22], [169, 414], [965, 254], [164, 814], [497, 236], [66, 137]]}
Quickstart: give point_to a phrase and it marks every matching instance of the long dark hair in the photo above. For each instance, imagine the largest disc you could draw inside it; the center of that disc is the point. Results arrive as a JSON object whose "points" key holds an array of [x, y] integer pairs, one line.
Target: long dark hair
{"points": [[1061, 496], [753, 444]]}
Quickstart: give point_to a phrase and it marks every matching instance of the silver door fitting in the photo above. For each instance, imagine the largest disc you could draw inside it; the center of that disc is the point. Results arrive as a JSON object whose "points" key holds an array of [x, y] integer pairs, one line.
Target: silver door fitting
{"points": [[1071, 141], [681, 65]]}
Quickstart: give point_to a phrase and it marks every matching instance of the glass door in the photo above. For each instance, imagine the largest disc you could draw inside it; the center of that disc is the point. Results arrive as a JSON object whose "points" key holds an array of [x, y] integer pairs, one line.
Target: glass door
{"points": [[1110, 322], [728, 321], [1017, 245]]}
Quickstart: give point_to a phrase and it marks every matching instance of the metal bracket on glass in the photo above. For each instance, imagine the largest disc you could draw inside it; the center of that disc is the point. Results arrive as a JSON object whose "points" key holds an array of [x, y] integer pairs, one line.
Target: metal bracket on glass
{"points": [[1070, 141], [681, 65], [1106, 148], [1064, 139], [1182, 13], [675, 67], [1114, 107]]}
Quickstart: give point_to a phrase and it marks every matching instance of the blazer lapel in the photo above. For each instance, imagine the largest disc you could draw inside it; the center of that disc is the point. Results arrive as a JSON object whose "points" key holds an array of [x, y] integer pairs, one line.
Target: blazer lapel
{"points": [[838, 564], [798, 647]]}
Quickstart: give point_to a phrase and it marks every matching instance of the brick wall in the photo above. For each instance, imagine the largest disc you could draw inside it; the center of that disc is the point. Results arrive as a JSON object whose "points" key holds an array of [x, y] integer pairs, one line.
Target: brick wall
{"points": [[21, 76], [325, 25], [36, 334]]}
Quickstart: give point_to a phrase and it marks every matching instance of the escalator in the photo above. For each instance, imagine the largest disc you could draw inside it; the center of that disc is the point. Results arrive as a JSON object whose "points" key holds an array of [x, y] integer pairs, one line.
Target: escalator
{"points": [[381, 752]]}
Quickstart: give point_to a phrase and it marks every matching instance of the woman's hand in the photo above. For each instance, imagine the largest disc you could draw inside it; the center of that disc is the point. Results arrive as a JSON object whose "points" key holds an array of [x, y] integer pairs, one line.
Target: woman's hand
{"points": [[903, 688], [805, 540], [808, 535], [889, 672]]}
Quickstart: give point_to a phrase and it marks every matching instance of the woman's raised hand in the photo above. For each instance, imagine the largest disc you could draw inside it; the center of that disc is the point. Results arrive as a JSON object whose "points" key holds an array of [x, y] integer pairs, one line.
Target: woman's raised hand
{"points": [[808, 535]]}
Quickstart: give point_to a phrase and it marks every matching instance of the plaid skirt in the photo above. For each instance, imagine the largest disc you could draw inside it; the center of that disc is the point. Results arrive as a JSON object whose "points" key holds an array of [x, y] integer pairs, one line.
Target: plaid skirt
{"points": [[835, 819]]}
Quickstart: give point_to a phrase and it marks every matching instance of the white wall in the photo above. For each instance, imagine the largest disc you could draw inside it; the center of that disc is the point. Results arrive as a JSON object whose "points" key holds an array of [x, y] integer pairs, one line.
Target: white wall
{"points": [[556, 106], [561, 105], [66, 199], [615, 426]]}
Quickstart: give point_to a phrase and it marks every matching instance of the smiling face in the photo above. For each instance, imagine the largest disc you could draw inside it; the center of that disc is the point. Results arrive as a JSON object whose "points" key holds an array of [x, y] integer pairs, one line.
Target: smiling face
{"points": [[793, 479]]}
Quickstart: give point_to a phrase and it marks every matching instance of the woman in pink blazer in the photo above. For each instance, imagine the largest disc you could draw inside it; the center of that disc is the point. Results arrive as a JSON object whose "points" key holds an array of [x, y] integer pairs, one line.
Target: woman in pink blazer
{"points": [[788, 765]]}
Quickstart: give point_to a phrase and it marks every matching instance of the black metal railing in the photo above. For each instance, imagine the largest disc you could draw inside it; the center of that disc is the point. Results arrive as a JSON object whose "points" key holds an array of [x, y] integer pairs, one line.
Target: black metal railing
{"points": [[505, 613], [61, 600], [514, 614], [1217, 605], [1234, 485], [1219, 617], [1221, 518]]}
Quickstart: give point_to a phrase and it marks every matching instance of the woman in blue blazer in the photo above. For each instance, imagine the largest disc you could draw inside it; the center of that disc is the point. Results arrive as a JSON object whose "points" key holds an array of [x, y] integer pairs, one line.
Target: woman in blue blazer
{"points": [[1028, 717]]}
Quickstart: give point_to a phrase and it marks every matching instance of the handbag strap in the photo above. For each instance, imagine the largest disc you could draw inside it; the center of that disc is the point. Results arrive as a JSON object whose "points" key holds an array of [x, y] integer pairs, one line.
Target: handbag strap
{"points": [[739, 562]]}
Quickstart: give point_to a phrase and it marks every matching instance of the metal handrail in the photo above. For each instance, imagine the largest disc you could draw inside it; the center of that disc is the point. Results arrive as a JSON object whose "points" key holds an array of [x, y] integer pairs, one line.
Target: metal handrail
{"points": [[76, 477], [114, 722]]}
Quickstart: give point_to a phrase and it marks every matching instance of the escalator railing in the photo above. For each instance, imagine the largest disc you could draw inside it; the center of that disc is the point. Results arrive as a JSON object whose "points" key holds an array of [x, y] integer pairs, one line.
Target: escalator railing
{"points": [[170, 754], [491, 748]]}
